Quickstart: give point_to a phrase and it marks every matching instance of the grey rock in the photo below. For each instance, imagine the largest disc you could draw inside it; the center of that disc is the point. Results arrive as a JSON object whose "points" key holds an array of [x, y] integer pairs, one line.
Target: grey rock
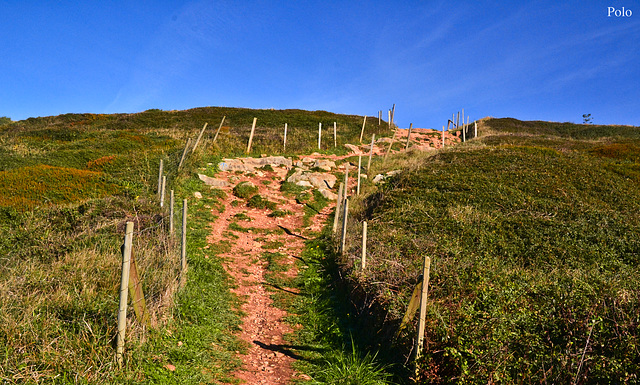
{"points": [[215, 182]]}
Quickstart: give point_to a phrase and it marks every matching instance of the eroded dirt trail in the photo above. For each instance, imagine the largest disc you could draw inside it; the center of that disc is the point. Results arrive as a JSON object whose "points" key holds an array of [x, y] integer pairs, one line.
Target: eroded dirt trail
{"points": [[249, 233]]}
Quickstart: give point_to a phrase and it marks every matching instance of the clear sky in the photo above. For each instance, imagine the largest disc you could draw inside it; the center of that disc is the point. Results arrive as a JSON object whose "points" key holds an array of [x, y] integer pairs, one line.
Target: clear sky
{"points": [[531, 60]]}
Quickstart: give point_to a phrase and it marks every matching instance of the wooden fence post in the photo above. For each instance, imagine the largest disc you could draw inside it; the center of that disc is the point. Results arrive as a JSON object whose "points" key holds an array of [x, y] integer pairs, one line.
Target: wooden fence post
{"points": [[344, 225], [363, 259], [284, 144], [359, 172], [171, 203], [124, 291], [373, 138], [199, 137], [319, 134], [183, 253], [393, 114], [379, 117], [443, 136], [475, 131], [335, 135], [346, 181], [160, 177], [362, 131], [393, 138], [406, 147], [215, 137], [184, 153], [253, 128], [423, 306], [337, 214], [389, 117], [164, 185]]}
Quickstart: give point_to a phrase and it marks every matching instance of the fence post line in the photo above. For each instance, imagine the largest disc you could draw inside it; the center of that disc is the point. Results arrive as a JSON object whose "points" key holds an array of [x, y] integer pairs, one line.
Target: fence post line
{"points": [[362, 131], [171, 203], [373, 138], [164, 185], [423, 306], [183, 253], [199, 137], [284, 144], [335, 135], [319, 135], [184, 153], [160, 176], [363, 261], [253, 128], [344, 225], [406, 147], [124, 291], [215, 137], [359, 172], [337, 214]]}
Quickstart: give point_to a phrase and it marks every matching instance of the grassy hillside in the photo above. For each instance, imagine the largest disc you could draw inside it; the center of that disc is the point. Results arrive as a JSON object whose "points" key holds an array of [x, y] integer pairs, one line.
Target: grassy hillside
{"points": [[534, 234], [68, 184]]}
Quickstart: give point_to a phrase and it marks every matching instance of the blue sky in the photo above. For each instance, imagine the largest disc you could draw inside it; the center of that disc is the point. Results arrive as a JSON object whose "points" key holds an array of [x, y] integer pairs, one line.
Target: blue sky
{"points": [[531, 60]]}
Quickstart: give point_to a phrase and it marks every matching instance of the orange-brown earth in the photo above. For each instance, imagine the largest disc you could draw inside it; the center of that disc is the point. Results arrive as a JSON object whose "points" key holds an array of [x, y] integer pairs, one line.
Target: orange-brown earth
{"points": [[269, 357]]}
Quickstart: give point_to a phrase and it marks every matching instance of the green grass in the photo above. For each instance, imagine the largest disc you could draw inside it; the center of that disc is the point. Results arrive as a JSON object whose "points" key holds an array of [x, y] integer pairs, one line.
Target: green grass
{"points": [[533, 235]]}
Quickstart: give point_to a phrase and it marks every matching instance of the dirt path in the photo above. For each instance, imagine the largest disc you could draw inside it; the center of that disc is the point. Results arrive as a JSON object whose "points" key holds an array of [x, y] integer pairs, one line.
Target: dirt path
{"points": [[268, 360]]}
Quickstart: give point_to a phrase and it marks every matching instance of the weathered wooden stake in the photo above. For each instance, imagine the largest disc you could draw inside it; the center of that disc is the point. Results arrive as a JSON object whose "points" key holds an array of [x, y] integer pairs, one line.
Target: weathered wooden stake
{"points": [[406, 147], [466, 126], [285, 137], [442, 136], [160, 177], [199, 137], [319, 135], [362, 131], [393, 139], [389, 117], [359, 172], [464, 134], [345, 192], [393, 114], [164, 185], [344, 225], [373, 138], [338, 204], [124, 291], [363, 259], [335, 135], [253, 129], [183, 254], [184, 153], [171, 203], [215, 137], [379, 117], [423, 306], [475, 130]]}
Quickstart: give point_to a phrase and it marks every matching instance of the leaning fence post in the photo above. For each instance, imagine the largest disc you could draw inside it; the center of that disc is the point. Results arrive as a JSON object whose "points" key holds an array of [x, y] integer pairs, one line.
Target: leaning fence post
{"points": [[337, 214], [363, 124], [335, 135], [183, 253], [160, 177], [319, 134], [199, 137], [253, 128], [215, 137], [363, 260], [344, 225], [423, 306], [373, 138], [171, 203], [406, 147], [124, 291], [393, 138], [184, 153]]}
